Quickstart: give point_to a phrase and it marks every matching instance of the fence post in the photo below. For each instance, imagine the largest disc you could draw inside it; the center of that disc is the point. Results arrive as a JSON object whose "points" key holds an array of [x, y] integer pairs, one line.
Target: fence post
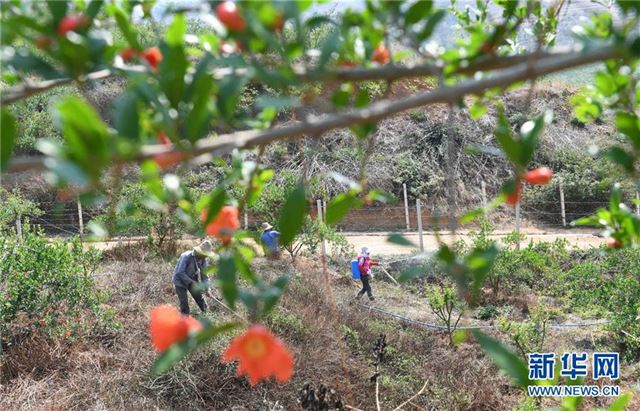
{"points": [[483, 186], [419, 215], [406, 205], [80, 220], [324, 210], [637, 203], [19, 226], [323, 247], [518, 224], [564, 216], [319, 206]]}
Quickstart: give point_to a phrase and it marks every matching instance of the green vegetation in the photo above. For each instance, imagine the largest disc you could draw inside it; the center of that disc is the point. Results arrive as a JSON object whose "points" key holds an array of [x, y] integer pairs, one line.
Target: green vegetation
{"points": [[49, 286]]}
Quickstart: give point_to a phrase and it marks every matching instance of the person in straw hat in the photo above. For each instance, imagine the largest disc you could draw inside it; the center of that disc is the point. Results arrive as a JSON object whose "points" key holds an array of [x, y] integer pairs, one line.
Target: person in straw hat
{"points": [[269, 238], [190, 275]]}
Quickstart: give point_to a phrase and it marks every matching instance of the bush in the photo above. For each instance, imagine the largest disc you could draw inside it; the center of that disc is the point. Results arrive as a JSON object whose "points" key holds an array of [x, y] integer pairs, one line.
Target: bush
{"points": [[14, 206], [529, 336], [444, 302], [49, 286], [133, 217], [487, 312]]}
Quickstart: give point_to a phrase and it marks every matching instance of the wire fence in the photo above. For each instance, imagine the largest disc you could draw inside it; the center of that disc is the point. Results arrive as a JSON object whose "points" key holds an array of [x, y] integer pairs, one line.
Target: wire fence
{"points": [[68, 218]]}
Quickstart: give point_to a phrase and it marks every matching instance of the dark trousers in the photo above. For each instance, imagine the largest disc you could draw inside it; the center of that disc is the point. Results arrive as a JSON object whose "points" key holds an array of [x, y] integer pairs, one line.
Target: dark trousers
{"points": [[184, 301], [366, 288]]}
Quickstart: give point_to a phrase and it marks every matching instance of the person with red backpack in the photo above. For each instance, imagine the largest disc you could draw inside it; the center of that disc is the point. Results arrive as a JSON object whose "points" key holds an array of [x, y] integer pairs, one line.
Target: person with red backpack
{"points": [[364, 265]]}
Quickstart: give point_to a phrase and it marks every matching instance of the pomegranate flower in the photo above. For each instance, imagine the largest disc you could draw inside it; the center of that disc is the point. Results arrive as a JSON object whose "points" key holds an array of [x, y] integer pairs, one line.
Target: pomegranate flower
{"points": [[514, 197], [168, 326], [539, 176], [260, 355], [224, 225]]}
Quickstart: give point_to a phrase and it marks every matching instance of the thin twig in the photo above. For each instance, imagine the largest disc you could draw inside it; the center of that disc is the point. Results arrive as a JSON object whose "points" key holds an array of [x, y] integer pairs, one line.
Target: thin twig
{"points": [[313, 127], [399, 407]]}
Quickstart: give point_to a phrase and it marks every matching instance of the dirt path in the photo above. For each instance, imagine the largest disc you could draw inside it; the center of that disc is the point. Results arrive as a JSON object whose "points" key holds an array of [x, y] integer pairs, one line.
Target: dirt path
{"points": [[377, 241]]}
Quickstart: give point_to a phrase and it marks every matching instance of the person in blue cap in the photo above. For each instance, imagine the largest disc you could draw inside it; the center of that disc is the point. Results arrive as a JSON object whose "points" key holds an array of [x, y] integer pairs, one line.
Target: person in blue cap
{"points": [[269, 238]]}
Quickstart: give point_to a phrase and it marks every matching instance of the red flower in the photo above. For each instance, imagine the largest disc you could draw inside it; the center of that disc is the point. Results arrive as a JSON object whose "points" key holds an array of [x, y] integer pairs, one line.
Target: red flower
{"points": [[380, 54], [223, 226], [71, 23], [128, 54], [539, 176], [613, 243], [229, 15], [153, 56], [261, 355], [514, 197], [168, 326]]}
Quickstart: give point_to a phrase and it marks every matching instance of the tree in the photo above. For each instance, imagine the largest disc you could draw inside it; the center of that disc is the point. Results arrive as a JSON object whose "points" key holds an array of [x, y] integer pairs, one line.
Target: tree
{"points": [[182, 102]]}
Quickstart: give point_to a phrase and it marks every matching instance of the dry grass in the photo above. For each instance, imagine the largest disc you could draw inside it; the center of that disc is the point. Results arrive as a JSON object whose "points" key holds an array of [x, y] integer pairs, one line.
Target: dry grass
{"points": [[111, 371]]}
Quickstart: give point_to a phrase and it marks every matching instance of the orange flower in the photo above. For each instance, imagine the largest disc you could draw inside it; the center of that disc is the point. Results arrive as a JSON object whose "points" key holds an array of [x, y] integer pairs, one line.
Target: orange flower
{"points": [[168, 326], [153, 56], [380, 54], [514, 197], [225, 223], [71, 23], [614, 243], [539, 176], [261, 355], [128, 54]]}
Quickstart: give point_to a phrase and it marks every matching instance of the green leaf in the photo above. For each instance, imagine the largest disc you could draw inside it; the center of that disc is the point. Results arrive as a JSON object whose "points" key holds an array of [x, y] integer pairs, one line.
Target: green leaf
{"points": [[127, 119], [7, 138], [530, 132], [605, 84], [503, 134], [86, 135], [400, 240], [480, 262], [94, 8], [174, 35], [124, 24], [227, 279], [418, 11], [621, 403], [292, 215], [340, 205], [58, 9], [628, 124], [471, 215], [477, 110], [619, 156], [432, 22], [178, 351], [172, 72], [505, 359], [411, 273]]}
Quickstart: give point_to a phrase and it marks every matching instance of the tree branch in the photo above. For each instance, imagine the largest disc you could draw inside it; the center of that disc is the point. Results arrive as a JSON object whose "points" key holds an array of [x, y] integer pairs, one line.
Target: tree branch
{"points": [[315, 126], [386, 72]]}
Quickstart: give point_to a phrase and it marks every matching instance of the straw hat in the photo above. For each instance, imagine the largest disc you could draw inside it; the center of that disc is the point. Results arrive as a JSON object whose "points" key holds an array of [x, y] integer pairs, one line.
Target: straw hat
{"points": [[266, 226], [206, 248]]}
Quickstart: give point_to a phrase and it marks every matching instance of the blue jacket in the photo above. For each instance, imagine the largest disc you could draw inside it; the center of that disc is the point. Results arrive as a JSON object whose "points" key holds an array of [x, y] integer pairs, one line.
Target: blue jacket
{"points": [[270, 239], [186, 272]]}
